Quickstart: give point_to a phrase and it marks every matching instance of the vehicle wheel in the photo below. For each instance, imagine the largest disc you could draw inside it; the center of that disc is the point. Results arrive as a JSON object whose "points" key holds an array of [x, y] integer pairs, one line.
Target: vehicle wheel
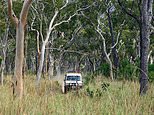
{"points": [[63, 88]]}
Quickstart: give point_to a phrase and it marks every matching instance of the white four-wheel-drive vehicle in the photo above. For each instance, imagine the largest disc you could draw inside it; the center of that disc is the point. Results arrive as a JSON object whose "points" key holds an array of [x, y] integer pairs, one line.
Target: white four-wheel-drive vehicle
{"points": [[72, 81]]}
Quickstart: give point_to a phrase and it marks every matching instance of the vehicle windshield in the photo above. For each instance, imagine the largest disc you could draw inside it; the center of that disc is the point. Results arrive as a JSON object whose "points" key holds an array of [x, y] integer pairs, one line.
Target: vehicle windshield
{"points": [[73, 78]]}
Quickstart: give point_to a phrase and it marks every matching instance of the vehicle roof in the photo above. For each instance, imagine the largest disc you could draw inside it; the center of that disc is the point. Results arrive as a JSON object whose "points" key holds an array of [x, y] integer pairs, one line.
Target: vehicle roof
{"points": [[78, 74]]}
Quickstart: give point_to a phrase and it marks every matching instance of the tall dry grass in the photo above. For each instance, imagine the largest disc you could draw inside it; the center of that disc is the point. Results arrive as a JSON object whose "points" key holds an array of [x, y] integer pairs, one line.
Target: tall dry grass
{"points": [[119, 98]]}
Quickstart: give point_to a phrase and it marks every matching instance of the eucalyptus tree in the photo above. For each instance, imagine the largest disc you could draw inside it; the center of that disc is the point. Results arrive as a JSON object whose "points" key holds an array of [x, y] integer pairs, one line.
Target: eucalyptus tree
{"points": [[102, 23], [107, 54], [4, 43], [66, 45], [143, 17], [49, 30], [20, 26], [4, 39], [58, 9], [110, 9]]}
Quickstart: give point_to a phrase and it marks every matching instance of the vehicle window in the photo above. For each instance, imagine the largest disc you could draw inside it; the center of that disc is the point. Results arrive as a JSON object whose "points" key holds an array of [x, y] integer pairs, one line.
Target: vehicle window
{"points": [[73, 78]]}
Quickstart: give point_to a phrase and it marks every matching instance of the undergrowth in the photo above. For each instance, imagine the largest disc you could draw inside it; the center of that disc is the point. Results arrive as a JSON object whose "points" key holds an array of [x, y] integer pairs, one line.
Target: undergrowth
{"points": [[100, 97]]}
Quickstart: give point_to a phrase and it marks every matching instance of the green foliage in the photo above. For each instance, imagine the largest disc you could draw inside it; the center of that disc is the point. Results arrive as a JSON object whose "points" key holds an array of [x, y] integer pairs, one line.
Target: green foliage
{"points": [[151, 67], [94, 92], [59, 3], [89, 78], [151, 76], [151, 72], [128, 70], [98, 91], [86, 40], [90, 92], [17, 7], [1, 60], [2, 18], [104, 69]]}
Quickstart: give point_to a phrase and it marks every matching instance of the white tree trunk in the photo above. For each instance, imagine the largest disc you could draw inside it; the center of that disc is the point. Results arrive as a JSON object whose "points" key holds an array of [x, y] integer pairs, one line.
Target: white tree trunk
{"points": [[108, 60], [4, 43], [105, 52], [50, 29], [151, 60], [20, 24], [149, 55], [3, 66], [39, 72]]}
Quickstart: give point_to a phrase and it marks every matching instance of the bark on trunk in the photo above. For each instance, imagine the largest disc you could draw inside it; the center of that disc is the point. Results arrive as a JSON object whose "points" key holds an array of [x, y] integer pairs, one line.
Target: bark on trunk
{"points": [[20, 25], [145, 8], [3, 67], [4, 42], [107, 56], [19, 60], [25, 58], [50, 29], [39, 72], [114, 52], [46, 60], [146, 16]]}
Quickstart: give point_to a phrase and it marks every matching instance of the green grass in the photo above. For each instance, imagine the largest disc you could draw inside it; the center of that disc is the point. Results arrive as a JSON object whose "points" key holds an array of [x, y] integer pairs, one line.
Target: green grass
{"points": [[120, 98]]}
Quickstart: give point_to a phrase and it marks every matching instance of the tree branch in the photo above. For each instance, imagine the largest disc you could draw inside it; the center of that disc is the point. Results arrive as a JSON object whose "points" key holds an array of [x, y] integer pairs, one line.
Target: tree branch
{"points": [[66, 21], [51, 26], [37, 37], [73, 38], [104, 48], [128, 12], [64, 5], [118, 36], [150, 4], [11, 13], [24, 11], [69, 51]]}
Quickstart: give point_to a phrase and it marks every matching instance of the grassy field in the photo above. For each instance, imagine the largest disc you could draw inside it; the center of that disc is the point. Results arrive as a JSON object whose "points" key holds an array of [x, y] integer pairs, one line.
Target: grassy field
{"points": [[118, 98]]}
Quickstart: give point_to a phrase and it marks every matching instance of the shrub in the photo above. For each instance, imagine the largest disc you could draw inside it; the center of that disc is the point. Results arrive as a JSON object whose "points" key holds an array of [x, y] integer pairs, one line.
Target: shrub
{"points": [[94, 92], [128, 70], [151, 72], [104, 69], [105, 86], [89, 78]]}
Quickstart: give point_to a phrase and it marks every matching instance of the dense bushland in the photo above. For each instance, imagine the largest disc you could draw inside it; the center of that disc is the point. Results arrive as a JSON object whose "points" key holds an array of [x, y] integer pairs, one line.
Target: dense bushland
{"points": [[126, 70]]}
